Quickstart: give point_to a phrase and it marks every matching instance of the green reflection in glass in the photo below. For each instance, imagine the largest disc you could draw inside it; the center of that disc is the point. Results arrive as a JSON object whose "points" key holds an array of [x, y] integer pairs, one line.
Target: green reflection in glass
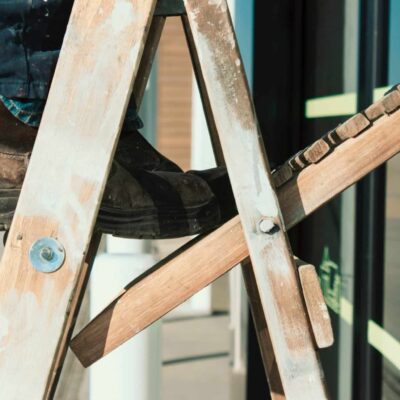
{"points": [[329, 276]]}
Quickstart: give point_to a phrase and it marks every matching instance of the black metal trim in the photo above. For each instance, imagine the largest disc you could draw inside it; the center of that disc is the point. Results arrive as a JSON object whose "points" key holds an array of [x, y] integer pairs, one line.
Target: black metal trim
{"points": [[170, 8], [370, 214]]}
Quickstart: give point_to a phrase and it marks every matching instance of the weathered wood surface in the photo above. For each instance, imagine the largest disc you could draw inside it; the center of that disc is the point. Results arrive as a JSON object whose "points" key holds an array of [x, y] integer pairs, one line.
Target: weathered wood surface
{"points": [[264, 340], [63, 188], [316, 307], [174, 276], [354, 126], [298, 198], [149, 53], [208, 112], [254, 191], [263, 337]]}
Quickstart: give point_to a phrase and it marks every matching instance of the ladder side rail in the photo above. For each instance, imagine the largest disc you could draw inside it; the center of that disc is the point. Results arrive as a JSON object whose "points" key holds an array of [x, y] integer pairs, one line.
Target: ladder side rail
{"points": [[73, 312], [263, 337], [299, 197], [258, 316], [274, 268], [139, 87], [209, 115], [64, 185], [149, 53]]}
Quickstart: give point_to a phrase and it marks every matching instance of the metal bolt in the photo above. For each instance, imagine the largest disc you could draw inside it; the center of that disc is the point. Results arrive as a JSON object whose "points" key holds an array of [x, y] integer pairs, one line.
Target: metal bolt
{"points": [[267, 226], [47, 253]]}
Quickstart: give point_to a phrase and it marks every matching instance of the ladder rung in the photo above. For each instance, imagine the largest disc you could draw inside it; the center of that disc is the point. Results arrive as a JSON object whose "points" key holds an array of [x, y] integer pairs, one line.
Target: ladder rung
{"points": [[170, 8]]}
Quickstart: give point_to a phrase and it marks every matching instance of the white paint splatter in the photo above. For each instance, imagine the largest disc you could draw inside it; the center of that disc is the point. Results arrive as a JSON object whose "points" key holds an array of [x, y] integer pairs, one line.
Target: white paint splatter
{"points": [[219, 3], [4, 329], [122, 15]]}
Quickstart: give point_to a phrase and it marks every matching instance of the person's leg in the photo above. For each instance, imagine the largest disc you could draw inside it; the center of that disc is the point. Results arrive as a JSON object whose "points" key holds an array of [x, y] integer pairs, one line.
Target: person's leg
{"points": [[147, 196]]}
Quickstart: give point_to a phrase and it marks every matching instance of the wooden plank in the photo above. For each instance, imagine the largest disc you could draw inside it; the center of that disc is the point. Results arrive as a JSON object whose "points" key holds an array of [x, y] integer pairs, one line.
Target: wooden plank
{"points": [[270, 366], [391, 101], [263, 337], [316, 307], [173, 275], [298, 198], [352, 127], [64, 185], [254, 192], [208, 112], [149, 53], [76, 301]]}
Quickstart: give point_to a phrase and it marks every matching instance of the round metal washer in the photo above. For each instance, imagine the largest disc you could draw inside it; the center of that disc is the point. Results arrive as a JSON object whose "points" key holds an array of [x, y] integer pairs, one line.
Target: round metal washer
{"points": [[47, 255]]}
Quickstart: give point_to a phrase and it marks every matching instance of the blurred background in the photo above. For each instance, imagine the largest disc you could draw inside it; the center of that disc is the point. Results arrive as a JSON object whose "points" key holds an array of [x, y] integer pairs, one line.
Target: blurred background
{"points": [[311, 64]]}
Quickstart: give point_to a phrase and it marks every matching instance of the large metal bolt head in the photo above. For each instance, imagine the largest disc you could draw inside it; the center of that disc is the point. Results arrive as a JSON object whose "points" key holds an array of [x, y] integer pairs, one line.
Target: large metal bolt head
{"points": [[268, 226], [47, 255]]}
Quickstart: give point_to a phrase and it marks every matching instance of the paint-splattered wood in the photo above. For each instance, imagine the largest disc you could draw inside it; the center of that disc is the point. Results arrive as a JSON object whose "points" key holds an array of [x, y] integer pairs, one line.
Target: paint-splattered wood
{"points": [[316, 308], [298, 198], [263, 337], [254, 191], [208, 112], [264, 340], [63, 187]]}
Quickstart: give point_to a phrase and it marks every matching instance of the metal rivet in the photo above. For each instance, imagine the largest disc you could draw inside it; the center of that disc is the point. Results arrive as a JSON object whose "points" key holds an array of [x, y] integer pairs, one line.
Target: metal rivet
{"points": [[47, 255], [267, 226]]}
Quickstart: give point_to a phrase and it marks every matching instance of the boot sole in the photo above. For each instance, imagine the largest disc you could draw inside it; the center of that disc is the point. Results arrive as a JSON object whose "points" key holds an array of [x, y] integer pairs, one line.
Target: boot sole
{"points": [[145, 223]]}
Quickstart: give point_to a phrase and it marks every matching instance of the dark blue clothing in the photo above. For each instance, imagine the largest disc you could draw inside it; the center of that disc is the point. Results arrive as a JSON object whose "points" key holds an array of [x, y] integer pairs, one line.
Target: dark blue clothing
{"points": [[31, 34]]}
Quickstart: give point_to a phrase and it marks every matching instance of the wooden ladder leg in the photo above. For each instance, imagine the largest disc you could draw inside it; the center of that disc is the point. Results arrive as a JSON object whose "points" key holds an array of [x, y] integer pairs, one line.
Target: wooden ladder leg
{"points": [[63, 189], [74, 308], [263, 226], [263, 337], [208, 112], [139, 87], [149, 53]]}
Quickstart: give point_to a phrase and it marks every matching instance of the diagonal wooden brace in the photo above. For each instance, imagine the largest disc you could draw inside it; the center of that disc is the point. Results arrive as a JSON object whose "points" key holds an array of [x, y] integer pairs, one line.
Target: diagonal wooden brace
{"points": [[174, 280]]}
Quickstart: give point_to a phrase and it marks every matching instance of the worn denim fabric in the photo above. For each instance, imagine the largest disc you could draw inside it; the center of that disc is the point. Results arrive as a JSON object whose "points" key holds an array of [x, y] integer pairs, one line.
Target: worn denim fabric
{"points": [[30, 111], [31, 34]]}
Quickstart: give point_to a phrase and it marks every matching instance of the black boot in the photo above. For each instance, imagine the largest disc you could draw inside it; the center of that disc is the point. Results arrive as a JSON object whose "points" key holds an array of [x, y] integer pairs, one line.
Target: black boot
{"points": [[146, 196]]}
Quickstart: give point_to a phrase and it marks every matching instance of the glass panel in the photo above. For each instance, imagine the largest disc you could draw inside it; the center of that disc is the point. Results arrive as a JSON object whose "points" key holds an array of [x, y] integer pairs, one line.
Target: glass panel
{"points": [[327, 238], [391, 373]]}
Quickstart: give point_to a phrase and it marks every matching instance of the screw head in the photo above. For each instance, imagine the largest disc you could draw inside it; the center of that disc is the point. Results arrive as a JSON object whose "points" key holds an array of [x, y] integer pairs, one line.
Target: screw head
{"points": [[47, 255], [267, 226]]}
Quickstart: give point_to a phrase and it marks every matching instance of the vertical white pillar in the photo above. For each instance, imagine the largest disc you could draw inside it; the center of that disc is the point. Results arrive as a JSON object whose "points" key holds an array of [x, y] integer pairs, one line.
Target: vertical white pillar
{"points": [[133, 371]]}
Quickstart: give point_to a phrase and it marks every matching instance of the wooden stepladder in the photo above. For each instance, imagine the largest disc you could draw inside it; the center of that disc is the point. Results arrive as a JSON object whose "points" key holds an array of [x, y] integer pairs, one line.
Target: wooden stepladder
{"points": [[107, 53]]}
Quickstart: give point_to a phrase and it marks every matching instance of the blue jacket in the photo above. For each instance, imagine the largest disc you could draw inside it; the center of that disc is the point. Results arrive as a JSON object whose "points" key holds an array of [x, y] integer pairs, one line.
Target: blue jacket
{"points": [[31, 34]]}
